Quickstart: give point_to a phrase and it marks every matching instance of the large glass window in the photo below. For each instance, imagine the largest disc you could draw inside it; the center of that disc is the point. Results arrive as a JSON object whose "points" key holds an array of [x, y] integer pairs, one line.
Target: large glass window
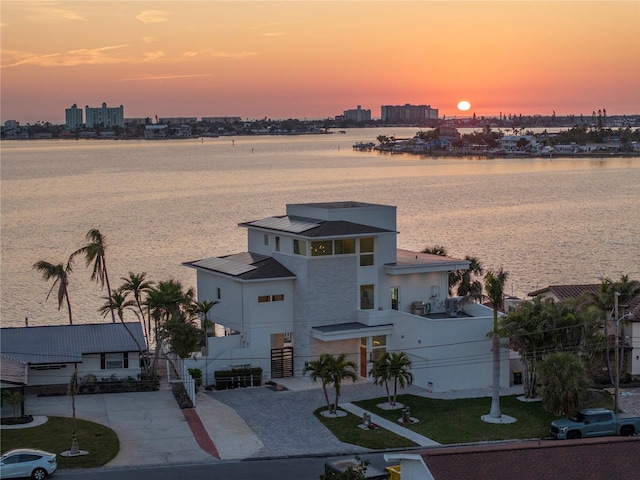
{"points": [[366, 297], [345, 246], [320, 248], [395, 294], [299, 247], [366, 252], [379, 344]]}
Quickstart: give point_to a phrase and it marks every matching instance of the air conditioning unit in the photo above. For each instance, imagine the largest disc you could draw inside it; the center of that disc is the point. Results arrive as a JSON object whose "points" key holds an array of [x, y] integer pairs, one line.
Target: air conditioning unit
{"points": [[451, 306]]}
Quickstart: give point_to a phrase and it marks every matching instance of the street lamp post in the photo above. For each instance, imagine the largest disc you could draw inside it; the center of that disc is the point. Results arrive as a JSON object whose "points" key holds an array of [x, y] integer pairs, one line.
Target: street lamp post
{"points": [[617, 353]]}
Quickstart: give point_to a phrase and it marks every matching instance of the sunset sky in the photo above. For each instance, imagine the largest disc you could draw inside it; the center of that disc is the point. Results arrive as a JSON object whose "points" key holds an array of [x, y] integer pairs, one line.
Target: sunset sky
{"points": [[315, 59]]}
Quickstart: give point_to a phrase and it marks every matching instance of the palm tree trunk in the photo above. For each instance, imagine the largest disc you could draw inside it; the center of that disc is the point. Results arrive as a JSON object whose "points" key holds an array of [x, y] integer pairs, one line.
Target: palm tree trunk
{"points": [[106, 279], [66, 296], [495, 399], [326, 396]]}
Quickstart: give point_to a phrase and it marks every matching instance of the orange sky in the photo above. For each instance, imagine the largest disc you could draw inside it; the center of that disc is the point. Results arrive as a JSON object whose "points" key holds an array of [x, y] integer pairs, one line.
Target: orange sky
{"points": [[314, 59]]}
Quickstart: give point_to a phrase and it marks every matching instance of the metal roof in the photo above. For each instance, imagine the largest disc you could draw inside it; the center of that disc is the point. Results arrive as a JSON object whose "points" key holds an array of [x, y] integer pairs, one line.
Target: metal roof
{"points": [[224, 265], [314, 228], [67, 343], [245, 266]]}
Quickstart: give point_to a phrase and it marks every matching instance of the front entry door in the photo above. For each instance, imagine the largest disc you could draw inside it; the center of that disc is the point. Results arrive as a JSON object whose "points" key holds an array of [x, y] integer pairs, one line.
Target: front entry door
{"points": [[363, 361]]}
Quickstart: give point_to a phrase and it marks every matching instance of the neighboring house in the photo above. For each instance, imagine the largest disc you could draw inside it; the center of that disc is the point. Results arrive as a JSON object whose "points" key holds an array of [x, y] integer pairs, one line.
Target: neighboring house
{"points": [[597, 458], [13, 376], [558, 293], [630, 312], [329, 278], [516, 143], [52, 352]]}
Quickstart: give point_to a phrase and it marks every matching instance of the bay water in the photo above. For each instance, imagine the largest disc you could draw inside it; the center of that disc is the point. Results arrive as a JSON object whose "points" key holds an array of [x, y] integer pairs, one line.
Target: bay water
{"points": [[161, 203]]}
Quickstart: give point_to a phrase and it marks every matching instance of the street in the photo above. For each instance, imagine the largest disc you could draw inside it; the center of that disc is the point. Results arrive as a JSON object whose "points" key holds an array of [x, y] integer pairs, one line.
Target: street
{"points": [[308, 468]]}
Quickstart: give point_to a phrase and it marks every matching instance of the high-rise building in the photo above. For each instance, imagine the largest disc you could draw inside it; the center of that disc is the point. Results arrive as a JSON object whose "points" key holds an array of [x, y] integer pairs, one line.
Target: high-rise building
{"points": [[73, 117], [408, 113], [357, 115], [104, 116]]}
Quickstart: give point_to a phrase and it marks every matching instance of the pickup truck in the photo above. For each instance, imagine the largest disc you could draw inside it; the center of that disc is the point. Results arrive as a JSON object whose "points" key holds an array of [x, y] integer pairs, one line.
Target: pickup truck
{"points": [[595, 422]]}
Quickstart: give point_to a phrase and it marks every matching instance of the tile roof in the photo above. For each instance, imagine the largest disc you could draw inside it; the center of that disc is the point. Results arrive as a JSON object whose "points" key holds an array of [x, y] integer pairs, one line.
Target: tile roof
{"points": [[563, 292], [597, 459], [67, 343]]}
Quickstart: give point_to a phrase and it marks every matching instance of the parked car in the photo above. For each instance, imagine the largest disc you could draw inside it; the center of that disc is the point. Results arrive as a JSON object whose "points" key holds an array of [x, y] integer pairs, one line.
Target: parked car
{"points": [[595, 422], [26, 462]]}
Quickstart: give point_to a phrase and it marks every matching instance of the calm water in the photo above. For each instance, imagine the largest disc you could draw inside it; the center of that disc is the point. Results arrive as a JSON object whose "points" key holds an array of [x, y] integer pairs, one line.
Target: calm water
{"points": [[166, 202]]}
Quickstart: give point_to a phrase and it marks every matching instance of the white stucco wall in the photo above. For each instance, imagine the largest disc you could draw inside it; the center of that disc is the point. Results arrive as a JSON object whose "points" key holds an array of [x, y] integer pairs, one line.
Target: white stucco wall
{"points": [[90, 365]]}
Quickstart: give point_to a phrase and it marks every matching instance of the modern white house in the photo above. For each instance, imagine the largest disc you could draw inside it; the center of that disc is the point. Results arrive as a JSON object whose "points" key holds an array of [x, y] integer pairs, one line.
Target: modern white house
{"points": [[329, 278]]}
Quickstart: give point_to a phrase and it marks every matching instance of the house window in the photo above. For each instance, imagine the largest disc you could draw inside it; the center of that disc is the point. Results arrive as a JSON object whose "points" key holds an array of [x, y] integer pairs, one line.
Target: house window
{"points": [[264, 299], [112, 361], [366, 252], [366, 297], [300, 247], [379, 344], [395, 294], [344, 247], [219, 293], [277, 244], [277, 298], [321, 248], [266, 239]]}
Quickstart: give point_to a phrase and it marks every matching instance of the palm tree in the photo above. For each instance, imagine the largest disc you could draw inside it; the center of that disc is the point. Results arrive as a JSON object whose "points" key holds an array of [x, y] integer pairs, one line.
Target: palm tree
{"points": [[468, 282], [72, 390], [118, 303], [203, 307], [60, 275], [380, 373], [436, 250], [319, 370], [399, 365], [394, 368], [525, 329], [137, 284], [164, 302], [340, 369], [94, 252], [564, 382], [494, 285]]}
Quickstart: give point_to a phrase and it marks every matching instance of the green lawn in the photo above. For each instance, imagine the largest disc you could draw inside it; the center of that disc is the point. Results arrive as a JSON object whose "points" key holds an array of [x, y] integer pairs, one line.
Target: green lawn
{"points": [[346, 430], [55, 436], [458, 421]]}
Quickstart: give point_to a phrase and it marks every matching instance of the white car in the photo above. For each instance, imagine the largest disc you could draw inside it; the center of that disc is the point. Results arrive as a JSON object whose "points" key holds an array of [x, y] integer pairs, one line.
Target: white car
{"points": [[27, 462]]}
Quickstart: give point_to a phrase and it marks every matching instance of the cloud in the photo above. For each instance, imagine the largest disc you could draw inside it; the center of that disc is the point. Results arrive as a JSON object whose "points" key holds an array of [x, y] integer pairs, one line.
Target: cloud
{"points": [[47, 12], [153, 16], [150, 39], [211, 52], [273, 34], [152, 56], [163, 76], [83, 56]]}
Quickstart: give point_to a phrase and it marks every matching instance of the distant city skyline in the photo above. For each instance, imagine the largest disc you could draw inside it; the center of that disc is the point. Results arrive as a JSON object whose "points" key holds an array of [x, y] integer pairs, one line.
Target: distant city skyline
{"points": [[313, 59]]}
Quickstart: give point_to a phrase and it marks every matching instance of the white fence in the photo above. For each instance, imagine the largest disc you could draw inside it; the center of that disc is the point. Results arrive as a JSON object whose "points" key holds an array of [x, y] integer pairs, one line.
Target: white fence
{"points": [[182, 374]]}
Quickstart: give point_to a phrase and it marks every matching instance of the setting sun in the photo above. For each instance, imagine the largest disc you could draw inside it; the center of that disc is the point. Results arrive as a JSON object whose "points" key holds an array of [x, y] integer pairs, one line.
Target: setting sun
{"points": [[464, 105]]}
